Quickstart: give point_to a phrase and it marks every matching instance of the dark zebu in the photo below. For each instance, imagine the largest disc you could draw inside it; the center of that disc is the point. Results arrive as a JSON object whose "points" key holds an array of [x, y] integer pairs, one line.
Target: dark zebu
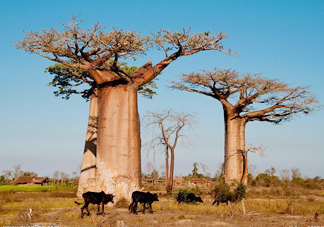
{"points": [[95, 198], [188, 198], [142, 197]]}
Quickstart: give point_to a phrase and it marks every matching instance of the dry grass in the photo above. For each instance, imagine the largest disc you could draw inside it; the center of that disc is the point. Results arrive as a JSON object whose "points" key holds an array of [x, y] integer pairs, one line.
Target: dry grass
{"points": [[57, 207]]}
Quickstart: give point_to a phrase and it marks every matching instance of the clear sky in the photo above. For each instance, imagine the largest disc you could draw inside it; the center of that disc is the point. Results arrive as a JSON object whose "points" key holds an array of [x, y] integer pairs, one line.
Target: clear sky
{"points": [[282, 39]]}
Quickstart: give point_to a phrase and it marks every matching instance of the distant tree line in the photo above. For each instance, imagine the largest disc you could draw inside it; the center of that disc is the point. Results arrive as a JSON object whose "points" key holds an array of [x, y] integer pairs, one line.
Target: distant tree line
{"points": [[9, 177], [286, 179]]}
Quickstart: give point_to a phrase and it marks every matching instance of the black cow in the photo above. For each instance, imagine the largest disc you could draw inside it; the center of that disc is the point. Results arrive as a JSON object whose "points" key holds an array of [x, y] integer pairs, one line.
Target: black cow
{"points": [[95, 198], [223, 199], [142, 197], [188, 198]]}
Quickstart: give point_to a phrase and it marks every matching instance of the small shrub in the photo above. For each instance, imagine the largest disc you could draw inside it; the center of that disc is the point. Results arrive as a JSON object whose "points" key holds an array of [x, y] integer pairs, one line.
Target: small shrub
{"points": [[122, 203], [287, 191], [181, 216], [141, 219], [310, 199]]}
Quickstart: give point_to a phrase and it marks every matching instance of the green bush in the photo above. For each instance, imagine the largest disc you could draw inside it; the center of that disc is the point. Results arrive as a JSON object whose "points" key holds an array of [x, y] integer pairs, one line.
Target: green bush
{"points": [[233, 193], [184, 192]]}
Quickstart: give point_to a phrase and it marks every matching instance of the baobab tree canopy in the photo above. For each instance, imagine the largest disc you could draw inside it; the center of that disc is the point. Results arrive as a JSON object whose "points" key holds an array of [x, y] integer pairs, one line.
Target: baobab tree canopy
{"points": [[244, 98], [250, 96], [90, 49], [118, 159]]}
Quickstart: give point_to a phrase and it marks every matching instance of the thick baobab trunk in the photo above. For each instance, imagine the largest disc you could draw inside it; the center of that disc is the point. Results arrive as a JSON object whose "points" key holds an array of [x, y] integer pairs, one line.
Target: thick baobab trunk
{"points": [[233, 147], [118, 149], [87, 179]]}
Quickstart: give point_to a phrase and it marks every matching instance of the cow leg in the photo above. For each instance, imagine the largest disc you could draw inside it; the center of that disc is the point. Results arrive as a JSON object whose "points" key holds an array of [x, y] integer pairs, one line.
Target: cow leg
{"points": [[98, 209], [151, 210], [82, 208], [131, 207], [135, 208], [144, 205], [103, 209], [86, 208]]}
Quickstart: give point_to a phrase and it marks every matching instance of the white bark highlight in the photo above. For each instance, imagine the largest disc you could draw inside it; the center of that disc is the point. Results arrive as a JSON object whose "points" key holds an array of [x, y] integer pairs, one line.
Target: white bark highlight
{"points": [[87, 180]]}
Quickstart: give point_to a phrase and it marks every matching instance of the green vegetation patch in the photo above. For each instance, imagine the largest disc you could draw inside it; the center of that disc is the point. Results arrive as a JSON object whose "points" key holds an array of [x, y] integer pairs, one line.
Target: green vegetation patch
{"points": [[35, 188]]}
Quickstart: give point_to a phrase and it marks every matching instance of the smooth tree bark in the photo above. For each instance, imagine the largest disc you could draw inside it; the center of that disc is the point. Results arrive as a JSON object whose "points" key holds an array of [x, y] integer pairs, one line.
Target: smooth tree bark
{"points": [[87, 179], [170, 129], [245, 98], [118, 146]]}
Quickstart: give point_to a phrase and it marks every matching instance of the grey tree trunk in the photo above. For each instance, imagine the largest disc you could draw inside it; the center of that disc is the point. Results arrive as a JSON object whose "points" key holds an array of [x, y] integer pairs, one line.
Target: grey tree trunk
{"points": [[118, 149], [234, 144], [87, 179]]}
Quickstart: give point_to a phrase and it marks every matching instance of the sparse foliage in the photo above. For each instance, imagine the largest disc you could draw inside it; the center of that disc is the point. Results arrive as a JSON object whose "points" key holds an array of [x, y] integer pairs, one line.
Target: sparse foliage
{"points": [[169, 127], [17, 171]]}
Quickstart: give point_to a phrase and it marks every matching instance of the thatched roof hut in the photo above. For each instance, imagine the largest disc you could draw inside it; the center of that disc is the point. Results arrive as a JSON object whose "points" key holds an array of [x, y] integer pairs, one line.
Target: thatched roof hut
{"points": [[28, 180]]}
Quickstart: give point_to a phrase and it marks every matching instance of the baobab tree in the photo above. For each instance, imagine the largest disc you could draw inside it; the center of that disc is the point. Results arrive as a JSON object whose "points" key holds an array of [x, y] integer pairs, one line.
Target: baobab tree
{"points": [[245, 98], [170, 129], [118, 161], [68, 81]]}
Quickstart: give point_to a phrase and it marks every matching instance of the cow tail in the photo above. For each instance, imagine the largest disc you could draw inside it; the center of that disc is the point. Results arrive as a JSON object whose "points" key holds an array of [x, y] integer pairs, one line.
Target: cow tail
{"points": [[78, 203]]}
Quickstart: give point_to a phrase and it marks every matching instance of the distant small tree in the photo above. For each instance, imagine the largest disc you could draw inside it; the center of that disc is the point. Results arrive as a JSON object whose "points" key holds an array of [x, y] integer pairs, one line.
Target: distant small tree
{"points": [[151, 171], [285, 176], [7, 174], [17, 172], [258, 150], [195, 169], [271, 171], [295, 173], [56, 176], [2, 179], [204, 167], [170, 126]]}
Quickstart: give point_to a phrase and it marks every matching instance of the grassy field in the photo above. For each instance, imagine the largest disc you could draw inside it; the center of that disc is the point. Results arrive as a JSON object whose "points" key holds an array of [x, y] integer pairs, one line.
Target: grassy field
{"points": [[54, 206], [35, 188]]}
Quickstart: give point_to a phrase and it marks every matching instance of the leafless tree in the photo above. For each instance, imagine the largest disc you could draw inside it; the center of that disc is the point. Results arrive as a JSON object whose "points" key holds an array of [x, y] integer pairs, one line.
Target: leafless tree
{"points": [[7, 174], [285, 175], [271, 171], [295, 173], [17, 171], [56, 175], [204, 167], [89, 50], [244, 98], [170, 127]]}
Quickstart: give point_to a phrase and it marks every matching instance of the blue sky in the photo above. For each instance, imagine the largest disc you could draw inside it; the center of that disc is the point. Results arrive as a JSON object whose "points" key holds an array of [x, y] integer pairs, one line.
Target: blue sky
{"points": [[282, 39]]}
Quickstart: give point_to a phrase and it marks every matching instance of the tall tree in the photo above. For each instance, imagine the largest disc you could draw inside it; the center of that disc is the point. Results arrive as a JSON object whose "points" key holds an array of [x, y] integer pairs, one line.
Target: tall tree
{"points": [[68, 81], [118, 165], [245, 98], [171, 127]]}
